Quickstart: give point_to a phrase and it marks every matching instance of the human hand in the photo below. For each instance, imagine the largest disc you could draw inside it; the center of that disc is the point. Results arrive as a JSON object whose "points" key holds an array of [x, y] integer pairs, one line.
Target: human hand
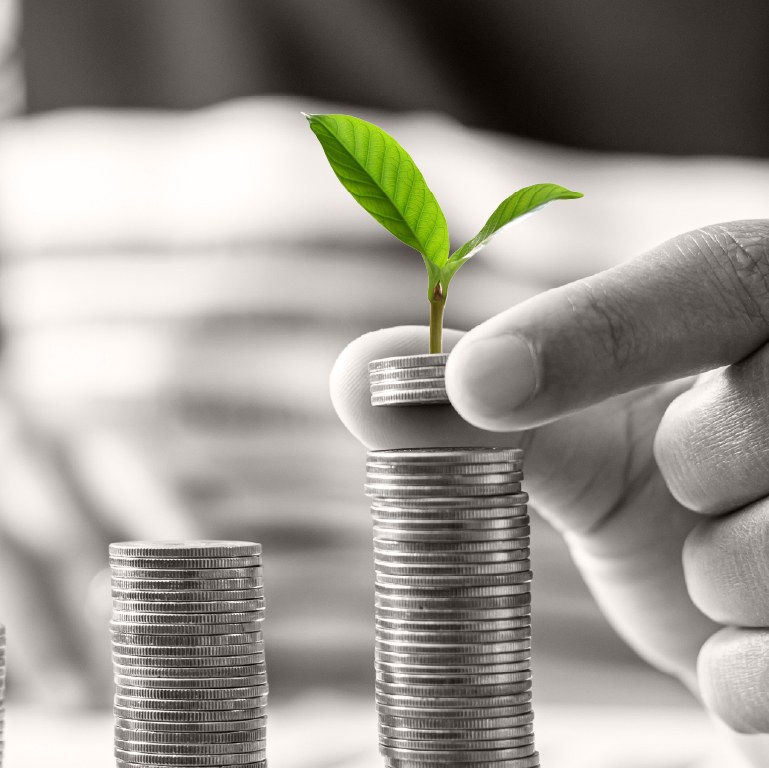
{"points": [[646, 475]]}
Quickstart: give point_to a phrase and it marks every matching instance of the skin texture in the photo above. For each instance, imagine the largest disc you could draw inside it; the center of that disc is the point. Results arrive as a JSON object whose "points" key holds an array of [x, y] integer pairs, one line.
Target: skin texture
{"points": [[655, 475]]}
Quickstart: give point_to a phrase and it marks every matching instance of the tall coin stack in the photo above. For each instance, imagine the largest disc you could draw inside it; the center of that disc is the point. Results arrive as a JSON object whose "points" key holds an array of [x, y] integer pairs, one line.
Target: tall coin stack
{"points": [[2, 693], [188, 654], [453, 607]]}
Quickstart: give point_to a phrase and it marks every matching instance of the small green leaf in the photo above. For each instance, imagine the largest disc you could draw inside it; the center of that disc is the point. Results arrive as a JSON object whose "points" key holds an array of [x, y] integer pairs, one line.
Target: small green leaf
{"points": [[526, 200], [383, 178]]}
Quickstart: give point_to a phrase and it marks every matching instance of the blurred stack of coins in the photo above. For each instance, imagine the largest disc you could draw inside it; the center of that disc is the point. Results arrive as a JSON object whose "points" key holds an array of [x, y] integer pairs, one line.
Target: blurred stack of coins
{"points": [[2, 693], [188, 654], [453, 597], [408, 380]]}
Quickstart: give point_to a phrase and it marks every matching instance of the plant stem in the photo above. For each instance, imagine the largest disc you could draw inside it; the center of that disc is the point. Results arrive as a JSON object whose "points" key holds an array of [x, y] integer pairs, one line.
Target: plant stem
{"points": [[436, 321]]}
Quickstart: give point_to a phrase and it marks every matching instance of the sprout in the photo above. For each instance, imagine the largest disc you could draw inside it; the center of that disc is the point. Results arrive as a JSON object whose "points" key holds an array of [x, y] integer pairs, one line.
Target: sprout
{"points": [[386, 182]]}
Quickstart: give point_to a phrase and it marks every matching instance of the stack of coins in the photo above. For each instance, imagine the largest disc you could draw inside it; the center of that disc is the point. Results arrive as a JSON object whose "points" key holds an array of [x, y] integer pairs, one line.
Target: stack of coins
{"points": [[188, 654], [2, 693], [408, 380], [453, 620]]}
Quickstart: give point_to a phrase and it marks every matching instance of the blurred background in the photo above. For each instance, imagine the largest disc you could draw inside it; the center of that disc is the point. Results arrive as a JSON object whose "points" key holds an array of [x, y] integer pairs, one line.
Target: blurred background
{"points": [[179, 269]]}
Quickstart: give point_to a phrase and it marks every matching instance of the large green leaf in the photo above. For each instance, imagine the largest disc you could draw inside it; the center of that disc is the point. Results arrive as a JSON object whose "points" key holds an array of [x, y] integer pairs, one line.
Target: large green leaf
{"points": [[383, 178], [526, 200]]}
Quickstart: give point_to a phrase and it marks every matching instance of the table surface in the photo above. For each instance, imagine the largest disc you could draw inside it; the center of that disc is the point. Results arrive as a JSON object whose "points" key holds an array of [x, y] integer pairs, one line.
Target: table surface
{"points": [[324, 730]]}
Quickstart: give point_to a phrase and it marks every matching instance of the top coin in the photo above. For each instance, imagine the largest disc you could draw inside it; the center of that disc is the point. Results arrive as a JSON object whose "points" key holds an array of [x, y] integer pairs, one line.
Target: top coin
{"points": [[196, 548], [408, 361], [448, 455]]}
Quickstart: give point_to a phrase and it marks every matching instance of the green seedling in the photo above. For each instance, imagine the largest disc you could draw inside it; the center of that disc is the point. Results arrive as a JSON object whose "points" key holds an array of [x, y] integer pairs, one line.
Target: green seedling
{"points": [[384, 179]]}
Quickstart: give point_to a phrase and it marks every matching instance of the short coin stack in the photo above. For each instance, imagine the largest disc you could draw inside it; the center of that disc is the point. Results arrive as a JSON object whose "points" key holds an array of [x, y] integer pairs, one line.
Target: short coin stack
{"points": [[188, 654], [453, 621], [408, 380]]}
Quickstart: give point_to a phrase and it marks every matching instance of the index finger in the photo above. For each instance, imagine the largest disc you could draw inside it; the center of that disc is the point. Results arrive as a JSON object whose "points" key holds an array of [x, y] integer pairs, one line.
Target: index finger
{"points": [[696, 302]]}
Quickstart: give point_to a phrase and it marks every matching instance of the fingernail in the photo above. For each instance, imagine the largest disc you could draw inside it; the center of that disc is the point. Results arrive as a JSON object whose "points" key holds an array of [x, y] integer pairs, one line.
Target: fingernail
{"points": [[491, 377]]}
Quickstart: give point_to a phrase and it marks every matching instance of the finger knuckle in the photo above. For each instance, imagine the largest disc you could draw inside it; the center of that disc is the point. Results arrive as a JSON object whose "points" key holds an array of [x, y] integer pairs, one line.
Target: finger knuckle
{"points": [[738, 254], [600, 315]]}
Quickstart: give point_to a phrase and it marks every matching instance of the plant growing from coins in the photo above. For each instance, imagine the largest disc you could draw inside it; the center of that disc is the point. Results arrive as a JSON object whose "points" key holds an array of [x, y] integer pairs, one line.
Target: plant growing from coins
{"points": [[386, 182]]}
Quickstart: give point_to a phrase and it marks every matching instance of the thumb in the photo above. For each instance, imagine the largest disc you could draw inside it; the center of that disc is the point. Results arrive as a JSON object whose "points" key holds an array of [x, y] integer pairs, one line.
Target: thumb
{"points": [[696, 302]]}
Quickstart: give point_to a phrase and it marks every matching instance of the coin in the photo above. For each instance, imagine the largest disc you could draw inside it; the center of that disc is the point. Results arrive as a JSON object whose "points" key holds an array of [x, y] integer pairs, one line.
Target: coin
{"points": [[186, 662], [447, 455], [176, 671], [168, 715], [189, 683], [204, 728], [185, 549], [214, 563], [187, 595], [209, 748], [182, 586], [383, 466], [171, 629], [406, 546], [177, 573], [165, 607], [524, 719], [141, 702], [187, 761]]}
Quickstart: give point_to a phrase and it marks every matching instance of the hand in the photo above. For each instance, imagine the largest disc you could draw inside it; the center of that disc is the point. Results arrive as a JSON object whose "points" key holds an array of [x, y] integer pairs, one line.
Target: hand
{"points": [[647, 475]]}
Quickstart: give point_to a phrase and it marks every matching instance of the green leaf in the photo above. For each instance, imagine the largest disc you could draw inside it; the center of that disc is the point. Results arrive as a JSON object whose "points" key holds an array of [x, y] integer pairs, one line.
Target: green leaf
{"points": [[526, 200], [383, 178]]}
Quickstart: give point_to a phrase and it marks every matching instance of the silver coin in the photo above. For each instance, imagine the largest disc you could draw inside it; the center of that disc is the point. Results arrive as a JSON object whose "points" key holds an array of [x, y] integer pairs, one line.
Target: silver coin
{"points": [[422, 467], [443, 534], [187, 654], [201, 740], [186, 596], [423, 589], [523, 720], [408, 361], [457, 668], [456, 733], [405, 374], [189, 683], [401, 646], [127, 764], [203, 729], [441, 679], [126, 637], [470, 756], [447, 455], [165, 607], [129, 712], [499, 614], [186, 761], [455, 745], [466, 503], [213, 563], [458, 603], [424, 700], [430, 396], [186, 613], [418, 625], [451, 710], [185, 549], [176, 624], [194, 694], [181, 586], [410, 523], [383, 490], [451, 580], [438, 690], [200, 574], [233, 671], [532, 761], [444, 560], [395, 384], [451, 659], [409, 479], [142, 702], [184, 662], [157, 748], [405, 546], [455, 637]]}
